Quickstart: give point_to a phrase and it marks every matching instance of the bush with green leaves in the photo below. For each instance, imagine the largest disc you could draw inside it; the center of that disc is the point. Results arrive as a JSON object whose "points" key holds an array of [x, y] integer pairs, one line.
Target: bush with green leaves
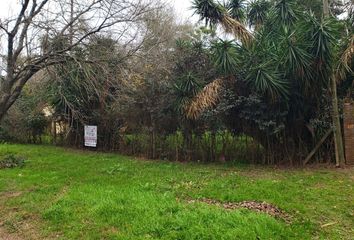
{"points": [[4, 135], [279, 72], [11, 161]]}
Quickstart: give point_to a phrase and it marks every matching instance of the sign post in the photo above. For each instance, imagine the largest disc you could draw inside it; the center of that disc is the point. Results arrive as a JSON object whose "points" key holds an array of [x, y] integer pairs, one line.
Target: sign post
{"points": [[90, 136]]}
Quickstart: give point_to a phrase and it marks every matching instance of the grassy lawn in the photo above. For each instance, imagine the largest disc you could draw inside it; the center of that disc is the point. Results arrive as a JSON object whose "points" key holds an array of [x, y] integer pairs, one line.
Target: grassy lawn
{"points": [[69, 194]]}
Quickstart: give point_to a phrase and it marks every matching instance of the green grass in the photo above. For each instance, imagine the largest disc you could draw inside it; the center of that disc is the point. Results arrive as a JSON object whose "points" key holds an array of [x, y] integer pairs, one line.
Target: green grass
{"points": [[71, 194]]}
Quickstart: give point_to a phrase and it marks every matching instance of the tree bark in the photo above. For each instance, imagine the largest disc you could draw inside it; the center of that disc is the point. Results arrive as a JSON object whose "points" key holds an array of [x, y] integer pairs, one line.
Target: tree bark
{"points": [[338, 139], [326, 8]]}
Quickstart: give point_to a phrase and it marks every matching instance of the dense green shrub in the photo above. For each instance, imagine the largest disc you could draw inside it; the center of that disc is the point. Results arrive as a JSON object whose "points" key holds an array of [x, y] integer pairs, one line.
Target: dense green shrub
{"points": [[36, 124], [4, 135], [11, 161]]}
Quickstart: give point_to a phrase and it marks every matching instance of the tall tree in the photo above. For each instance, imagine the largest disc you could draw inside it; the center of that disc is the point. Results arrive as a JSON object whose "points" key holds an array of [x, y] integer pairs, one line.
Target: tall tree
{"points": [[292, 52], [338, 139], [54, 18]]}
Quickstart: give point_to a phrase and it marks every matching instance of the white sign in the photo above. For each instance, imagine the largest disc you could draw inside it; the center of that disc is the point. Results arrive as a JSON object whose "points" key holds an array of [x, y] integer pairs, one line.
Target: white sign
{"points": [[90, 136]]}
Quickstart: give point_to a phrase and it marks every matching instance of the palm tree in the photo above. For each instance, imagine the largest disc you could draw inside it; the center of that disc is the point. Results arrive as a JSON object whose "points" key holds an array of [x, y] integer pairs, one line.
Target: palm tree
{"points": [[237, 10], [289, 59], [257, 13], [230, 17], [264, 78], [225, 59], [347, 55], [187, 87], [214, 13]]}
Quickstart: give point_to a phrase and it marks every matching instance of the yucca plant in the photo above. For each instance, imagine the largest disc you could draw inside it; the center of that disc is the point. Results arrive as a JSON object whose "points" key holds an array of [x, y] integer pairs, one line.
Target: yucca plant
{"points": [[267, 80], [187, 87], [297, 62], [203, 100], [214, 13], [209, 11], [285, 13], [343, 65], [224, 55], [257, 13], [237, 10], [290, 58], [323, 35]]}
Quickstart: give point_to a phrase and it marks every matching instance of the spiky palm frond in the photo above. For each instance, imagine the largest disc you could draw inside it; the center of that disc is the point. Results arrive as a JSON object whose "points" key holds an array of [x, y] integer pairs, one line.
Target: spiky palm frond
{"points": [[285, 13], [209, 11], [205, 99], [182, 44], [198, 46], [344, 63], [236, 28], [296, 61], [323, 35], [260, 68], [225, 56], [214, 13], [257, 13], [187, 87], [267, 80], [237, 10]]}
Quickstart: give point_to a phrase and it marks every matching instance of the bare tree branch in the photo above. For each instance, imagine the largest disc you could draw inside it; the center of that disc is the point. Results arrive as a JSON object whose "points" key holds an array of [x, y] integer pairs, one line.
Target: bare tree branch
{"points": [[34, 21]]}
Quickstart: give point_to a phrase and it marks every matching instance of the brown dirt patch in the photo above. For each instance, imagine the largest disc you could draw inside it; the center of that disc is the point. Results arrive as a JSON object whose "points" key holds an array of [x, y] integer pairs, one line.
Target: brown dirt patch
{"points": [[17, 224], [10, 194], [262, 207], [8, 236], [24, 229]]}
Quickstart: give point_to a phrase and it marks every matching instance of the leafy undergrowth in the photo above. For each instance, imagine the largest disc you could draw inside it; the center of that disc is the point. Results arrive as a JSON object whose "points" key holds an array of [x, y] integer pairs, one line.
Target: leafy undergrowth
{"points": [[11, 161], [68, 194]]}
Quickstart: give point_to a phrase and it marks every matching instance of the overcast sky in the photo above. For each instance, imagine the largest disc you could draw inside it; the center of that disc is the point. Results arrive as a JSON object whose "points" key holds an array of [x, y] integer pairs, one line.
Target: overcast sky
{"points": [[182, 8], [6, 6]]}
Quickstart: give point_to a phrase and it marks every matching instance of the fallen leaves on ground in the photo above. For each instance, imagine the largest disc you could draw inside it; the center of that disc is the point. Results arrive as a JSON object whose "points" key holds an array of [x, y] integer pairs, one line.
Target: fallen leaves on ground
{"points": [[251, 205]]}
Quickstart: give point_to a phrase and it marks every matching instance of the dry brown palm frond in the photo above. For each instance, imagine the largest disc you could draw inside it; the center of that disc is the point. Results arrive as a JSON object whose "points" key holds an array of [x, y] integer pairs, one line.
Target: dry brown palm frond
{"points": [[206, 98], [345, 60], [233, 26]]}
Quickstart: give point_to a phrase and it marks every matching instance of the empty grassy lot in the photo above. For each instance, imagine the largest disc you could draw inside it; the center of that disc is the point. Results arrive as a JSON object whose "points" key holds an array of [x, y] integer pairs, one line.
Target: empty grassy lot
{"points": [[69, 194]]}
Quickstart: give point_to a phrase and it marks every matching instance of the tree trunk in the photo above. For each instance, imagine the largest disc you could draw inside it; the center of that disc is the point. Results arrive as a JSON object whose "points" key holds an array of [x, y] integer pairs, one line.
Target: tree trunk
{"points": [[326, 8], [213, 146], [153, 143], [6, 101], [338, 140]]}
